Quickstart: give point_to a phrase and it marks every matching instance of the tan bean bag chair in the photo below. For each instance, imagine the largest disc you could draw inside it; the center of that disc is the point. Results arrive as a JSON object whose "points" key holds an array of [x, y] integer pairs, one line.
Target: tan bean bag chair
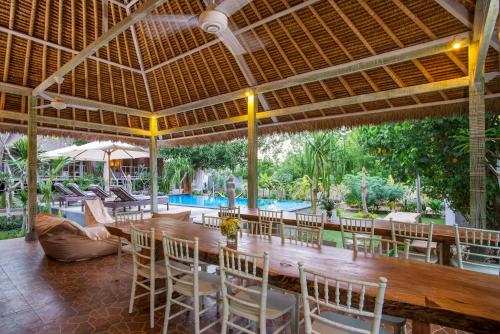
{"points": [[64, 240], [184, 216], [96, 213]]}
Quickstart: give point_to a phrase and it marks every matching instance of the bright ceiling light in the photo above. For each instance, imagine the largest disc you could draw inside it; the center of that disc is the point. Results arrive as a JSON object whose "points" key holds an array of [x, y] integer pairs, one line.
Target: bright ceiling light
{"points": [[457, 45]]}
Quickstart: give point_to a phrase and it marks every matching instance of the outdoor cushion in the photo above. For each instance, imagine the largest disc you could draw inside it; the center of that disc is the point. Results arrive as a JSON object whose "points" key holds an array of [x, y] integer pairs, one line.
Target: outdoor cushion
{"points": [[64, 240], [96, 213]]}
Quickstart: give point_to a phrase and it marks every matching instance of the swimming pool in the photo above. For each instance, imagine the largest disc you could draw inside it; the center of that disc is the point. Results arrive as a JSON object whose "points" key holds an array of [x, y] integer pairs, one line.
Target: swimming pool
{"points": [[214, 202]]}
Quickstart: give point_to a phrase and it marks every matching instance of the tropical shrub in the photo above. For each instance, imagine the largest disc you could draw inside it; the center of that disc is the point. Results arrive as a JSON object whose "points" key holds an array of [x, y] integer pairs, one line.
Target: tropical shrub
{"points": [[379, 191], [436, 206]]}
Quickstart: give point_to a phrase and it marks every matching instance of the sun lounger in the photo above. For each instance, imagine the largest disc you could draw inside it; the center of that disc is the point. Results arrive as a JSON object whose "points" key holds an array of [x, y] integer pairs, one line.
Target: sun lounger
{"points": [[79, 192], [125, 199], [99, 192], [66, 196]]}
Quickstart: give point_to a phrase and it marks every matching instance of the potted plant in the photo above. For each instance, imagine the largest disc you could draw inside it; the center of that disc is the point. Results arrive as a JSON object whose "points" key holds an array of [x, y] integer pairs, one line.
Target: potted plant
{"points": [[329, 205], [230, 228]]}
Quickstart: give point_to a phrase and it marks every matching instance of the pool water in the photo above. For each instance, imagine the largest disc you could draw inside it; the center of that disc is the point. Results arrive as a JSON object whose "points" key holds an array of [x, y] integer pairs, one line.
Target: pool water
{"points": [[214, 202]]}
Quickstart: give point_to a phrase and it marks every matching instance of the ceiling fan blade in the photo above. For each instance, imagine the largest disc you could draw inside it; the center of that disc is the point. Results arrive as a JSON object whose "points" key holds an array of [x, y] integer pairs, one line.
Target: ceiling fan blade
{"points": [[250, 41], [231, 42], [45, 96], [77, 106], [171, 23], [45, 106], [229, 7]]}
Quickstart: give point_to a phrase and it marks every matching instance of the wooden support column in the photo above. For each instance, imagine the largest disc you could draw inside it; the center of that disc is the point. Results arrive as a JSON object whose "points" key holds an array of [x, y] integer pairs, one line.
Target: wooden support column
{"points": [[153, 164], [32, 169], [253, 173], [485, 17]]}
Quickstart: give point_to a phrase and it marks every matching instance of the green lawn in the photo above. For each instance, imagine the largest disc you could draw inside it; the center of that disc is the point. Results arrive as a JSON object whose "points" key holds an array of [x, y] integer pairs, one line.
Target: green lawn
{"points": [[11, 234], [336, 237]]}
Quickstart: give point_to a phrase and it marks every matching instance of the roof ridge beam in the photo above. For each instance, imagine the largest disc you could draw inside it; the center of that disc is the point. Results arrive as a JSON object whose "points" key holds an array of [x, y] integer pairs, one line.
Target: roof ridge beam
{"points": [[237, 32], [147, 7], [382, 95], [392, 57], [63, 48]]}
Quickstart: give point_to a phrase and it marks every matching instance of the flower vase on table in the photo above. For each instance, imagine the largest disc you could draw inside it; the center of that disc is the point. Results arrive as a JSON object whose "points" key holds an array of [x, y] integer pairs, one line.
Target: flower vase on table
{"points": [[229, 228]]}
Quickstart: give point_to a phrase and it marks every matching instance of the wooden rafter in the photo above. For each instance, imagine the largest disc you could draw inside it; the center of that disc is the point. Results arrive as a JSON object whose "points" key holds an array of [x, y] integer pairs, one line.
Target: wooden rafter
{"points": [[383, 95], [392, 57], [147, 7]]}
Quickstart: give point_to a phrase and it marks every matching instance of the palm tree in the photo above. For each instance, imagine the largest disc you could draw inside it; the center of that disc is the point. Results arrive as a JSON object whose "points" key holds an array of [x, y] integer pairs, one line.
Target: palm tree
{"points": [[45, 186], [177, 170]]}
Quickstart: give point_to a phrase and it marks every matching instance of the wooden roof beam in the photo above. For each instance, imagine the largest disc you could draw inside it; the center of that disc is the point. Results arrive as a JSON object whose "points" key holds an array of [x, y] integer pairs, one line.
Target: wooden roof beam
{"points": [[147, 7], [485, 20], [14, 89], [141, 63], [461, 13], [62, 48], [74, 124], [438, 104], [397, 56], [382, 95]]}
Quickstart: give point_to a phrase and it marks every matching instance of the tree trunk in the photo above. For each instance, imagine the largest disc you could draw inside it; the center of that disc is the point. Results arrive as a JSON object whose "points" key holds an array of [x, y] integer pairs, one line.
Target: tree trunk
{"points": [[363, 193], [314, 195], [419, 199]]}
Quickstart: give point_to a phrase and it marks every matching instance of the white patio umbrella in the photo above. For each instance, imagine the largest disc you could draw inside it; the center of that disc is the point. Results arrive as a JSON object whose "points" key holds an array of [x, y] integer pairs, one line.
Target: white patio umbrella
{"points": [[100, 151]]}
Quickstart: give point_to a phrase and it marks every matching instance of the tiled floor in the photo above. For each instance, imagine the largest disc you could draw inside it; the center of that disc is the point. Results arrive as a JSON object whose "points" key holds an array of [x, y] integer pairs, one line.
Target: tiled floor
{"points": [[39, 295]]}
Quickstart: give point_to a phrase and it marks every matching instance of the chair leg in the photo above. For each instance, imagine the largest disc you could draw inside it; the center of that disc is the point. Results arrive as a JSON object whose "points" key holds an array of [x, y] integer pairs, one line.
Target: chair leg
{"points": [[152, 303], [197, 302], [167, 311], [225, 319], [132, 294]]}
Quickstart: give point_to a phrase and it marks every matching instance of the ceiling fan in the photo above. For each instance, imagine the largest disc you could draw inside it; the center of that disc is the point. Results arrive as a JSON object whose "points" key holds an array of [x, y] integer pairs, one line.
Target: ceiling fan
{"points": [[58, 102], [213, 20]]}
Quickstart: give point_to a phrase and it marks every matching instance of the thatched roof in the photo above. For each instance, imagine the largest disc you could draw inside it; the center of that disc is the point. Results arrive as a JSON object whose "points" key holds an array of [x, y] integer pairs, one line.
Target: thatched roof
{"points": [[354, 48]]}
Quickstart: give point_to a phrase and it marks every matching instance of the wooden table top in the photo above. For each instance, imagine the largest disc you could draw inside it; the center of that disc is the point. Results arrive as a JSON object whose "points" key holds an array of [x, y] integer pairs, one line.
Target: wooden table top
{"points": [[425, 292], [440, 233], [405, 217]]}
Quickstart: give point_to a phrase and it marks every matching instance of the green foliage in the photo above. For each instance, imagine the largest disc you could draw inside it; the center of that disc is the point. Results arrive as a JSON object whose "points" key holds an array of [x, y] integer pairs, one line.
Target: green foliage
{"points": [[434, 149], [45, 186], [10, 223], [327, 203], [379, 191], [87, 179], [175, 170], [436, 205]]}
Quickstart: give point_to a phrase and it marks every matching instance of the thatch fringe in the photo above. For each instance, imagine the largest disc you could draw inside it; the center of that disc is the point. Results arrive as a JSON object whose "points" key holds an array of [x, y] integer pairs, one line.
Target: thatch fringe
{"points": [[492, 105]]}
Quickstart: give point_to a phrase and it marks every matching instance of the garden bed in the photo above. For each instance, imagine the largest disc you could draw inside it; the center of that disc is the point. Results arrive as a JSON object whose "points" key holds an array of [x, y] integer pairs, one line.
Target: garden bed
{"points": [[11, 227]]}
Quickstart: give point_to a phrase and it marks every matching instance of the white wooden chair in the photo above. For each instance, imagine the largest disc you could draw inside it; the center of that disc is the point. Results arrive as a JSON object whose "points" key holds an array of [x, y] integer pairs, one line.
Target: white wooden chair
{"points": [[253, 303], [383, 247], [421, 233], [477, 250], [212, 222], [310, 220], [227, 212], [358, 226], [124, 246], [257, 228], [274, 218], [331, 314], [304, 236], [146, 269], [187, 281]]}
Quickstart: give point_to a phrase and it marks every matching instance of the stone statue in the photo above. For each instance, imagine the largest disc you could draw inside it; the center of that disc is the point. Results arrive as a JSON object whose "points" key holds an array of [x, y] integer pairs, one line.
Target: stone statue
{"points": [[231, 194]]}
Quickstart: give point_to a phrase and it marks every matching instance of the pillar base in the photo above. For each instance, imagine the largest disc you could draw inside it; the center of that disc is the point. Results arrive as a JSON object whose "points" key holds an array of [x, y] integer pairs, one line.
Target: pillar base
{"points": [[31, 236]]}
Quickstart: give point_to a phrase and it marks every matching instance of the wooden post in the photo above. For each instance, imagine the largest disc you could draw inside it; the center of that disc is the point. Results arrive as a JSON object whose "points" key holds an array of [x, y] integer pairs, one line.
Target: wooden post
{"points": [[485, 16], [252, 151], [153, 164], [32, 169]]}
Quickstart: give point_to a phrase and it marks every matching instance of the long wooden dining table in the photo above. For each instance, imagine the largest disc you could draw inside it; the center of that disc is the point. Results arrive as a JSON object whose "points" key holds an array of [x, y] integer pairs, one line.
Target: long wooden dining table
{"points": [[424, 293], [443, 235]]}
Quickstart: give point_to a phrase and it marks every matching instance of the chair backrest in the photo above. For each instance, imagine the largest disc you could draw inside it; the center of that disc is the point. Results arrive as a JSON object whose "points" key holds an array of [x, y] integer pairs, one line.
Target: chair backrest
{"points": [[212, 222], [130, 216], [383, 247], [236, 269], [99, 192], [184, 252], [275, 218], [477, 247], [262, 229], [412, 232], [304, 236], [143, 249], [310, 220], [331, 288], [123, 194], [227, 212], [76, 189], [348, 226], [63, 190]]}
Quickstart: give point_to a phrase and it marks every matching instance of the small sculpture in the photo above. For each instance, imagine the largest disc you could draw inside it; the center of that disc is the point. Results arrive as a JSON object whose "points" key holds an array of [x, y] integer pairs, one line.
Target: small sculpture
{"points": [[231, 193]]}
